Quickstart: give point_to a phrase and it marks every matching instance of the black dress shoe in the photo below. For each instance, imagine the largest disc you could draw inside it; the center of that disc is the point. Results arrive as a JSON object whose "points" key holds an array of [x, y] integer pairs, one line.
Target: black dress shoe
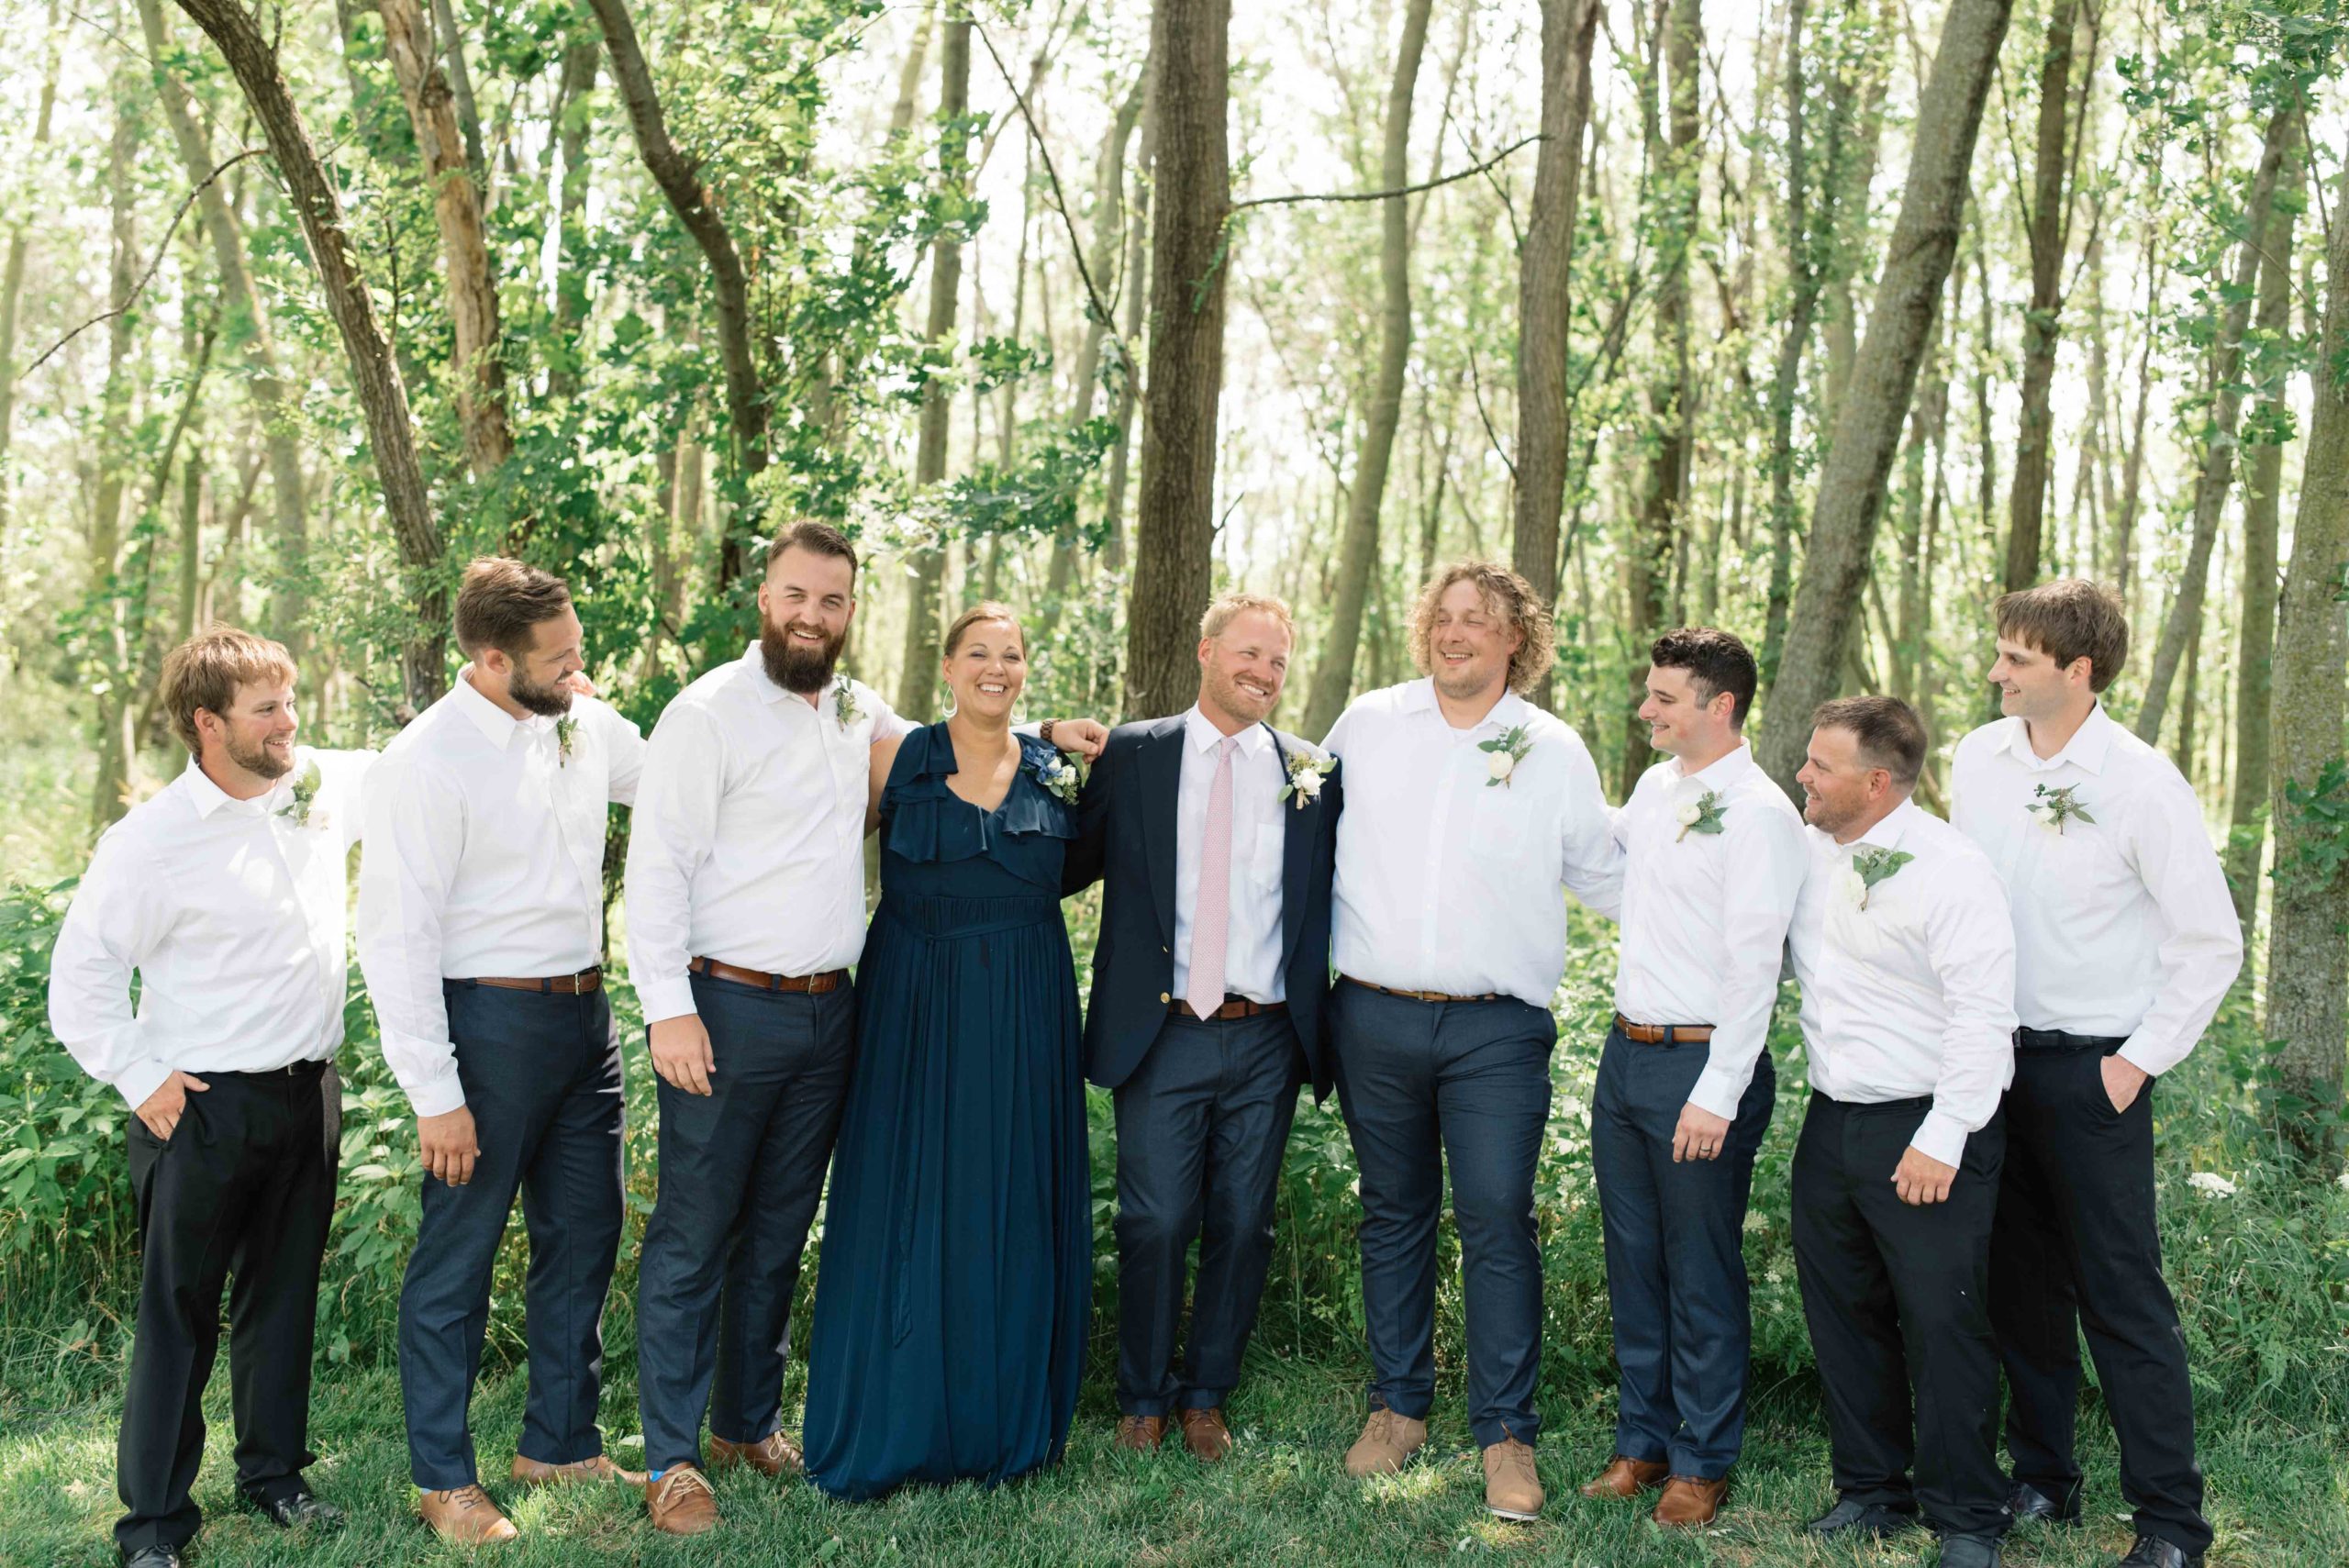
{"points": [[1849, 1517], [298, 1509], [2153, 1552], [1969, 1552], [2026, 1501], [153, 1557]]}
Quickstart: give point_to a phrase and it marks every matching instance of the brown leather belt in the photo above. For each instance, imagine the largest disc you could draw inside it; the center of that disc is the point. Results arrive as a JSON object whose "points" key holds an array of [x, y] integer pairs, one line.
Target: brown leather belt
{"points": [[1420, 995], [814, 984], [579, 984], [1663, 1034], [1233, 1007]]}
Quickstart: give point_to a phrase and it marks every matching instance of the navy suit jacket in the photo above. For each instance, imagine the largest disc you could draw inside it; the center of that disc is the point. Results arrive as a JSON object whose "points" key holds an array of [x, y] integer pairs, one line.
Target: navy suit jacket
{"points": [[1126, 827]]}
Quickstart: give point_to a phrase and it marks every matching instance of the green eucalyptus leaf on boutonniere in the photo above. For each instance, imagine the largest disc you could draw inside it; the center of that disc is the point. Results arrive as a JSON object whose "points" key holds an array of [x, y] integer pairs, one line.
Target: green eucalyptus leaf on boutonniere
{"points": [[2053, 807], [1702, 815], [1306, 771], [300, 811], [844, 706], [1868, 867], [564, 728], [1505, 751]]}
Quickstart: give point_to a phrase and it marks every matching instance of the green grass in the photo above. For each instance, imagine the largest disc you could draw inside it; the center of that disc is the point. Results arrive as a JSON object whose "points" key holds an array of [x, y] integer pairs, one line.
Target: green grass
{"points": [[2276, 1494]]}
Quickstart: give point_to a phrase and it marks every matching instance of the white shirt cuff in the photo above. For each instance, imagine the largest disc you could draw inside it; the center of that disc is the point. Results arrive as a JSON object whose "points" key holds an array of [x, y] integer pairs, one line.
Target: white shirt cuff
{"points": [[1939, 1137], [443, 1093], [140, 1080], [2153, 1058], [1719, 1091], [664, 999]]}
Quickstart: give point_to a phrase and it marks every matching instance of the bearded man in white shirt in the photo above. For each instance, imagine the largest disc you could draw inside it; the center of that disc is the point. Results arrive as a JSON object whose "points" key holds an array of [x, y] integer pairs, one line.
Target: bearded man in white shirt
{"points": [[2125, 943], [224, 892], [481, 931], [1714, 857], [1905, 951], [1475, 808]]}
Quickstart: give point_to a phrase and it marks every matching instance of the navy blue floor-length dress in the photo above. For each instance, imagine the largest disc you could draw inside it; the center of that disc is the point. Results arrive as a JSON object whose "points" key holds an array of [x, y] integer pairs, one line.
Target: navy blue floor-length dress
{"points": [[956, 1274]]}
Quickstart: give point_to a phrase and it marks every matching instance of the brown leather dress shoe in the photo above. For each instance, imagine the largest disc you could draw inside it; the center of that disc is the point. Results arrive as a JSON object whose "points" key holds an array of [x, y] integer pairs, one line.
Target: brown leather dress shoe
{"points": [[1690, 1501], [1627, 1477], [1205, 1434], [1512, 1490], [1141, 1434], [774, 1456], [539, 1472], [681, 1502], [464, 1514], [1386, 1440]]}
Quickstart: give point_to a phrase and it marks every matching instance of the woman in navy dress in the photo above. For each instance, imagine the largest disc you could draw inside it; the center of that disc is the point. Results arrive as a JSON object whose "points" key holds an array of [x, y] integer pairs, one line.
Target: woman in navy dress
{"points": [[956, 1279]]}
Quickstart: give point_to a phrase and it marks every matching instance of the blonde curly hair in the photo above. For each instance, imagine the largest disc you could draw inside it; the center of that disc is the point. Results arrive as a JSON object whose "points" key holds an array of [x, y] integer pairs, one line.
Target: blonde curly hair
{"points": [[1505, 593]]}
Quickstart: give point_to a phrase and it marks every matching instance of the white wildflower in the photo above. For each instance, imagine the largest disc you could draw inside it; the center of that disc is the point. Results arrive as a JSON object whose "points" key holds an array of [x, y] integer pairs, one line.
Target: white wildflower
{"points": [[2212, 1182]]}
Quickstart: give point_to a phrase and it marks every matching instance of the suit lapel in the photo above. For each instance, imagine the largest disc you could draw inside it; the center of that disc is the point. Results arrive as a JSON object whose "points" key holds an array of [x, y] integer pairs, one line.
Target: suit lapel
{"points": [[1297, 824], [1161, 761]]}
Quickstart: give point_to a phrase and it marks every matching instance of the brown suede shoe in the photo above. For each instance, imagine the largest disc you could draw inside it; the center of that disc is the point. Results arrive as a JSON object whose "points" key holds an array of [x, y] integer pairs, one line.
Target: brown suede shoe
{"points": [[464, 1514], [1205, 1434], [1386, 1440], [681, 1502], [1627, 1477], [539, 1472], [774, 1456], [1511, 1488], [1690, 1501], [1141, 1434]]}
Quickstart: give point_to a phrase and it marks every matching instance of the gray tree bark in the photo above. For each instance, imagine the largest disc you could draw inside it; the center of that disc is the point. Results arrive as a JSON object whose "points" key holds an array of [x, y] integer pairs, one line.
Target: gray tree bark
{"points": [[2049, 231]]}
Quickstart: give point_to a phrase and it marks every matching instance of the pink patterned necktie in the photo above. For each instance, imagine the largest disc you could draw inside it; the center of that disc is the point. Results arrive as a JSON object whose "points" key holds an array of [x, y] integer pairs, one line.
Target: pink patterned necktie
{"points": [[1211, 915]]}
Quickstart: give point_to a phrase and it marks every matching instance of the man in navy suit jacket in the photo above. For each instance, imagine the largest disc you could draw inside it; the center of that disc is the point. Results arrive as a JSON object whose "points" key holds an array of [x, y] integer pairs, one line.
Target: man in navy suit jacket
{"points": [[1214, 836]]}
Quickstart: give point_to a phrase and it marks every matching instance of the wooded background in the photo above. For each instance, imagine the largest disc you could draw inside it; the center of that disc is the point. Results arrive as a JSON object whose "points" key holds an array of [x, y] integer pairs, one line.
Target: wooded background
{"points": [[1824, 320]]}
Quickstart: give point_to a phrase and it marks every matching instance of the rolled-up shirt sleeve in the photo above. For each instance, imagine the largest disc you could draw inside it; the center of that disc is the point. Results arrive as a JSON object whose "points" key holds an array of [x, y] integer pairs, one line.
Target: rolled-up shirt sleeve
{"points": [[114, 923], [2203, 951], [1970, 942], [1769, 859], [415, 838], [675, 829]]}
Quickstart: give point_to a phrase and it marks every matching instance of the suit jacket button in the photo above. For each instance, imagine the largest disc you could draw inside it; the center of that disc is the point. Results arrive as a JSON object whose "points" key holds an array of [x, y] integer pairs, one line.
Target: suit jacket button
{"points": [[1163, 996]]}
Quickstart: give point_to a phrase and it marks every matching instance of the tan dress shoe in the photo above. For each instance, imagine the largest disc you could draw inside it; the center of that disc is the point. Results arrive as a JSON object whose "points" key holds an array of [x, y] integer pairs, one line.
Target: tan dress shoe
{"points": [[681, 1502], [464, 1514], [1690, 1501], [1139, 1434], [1206, 1435], [1386, 1440], [1511, 1488], [539, 1472], [774, 1456], [1627, 1477]]}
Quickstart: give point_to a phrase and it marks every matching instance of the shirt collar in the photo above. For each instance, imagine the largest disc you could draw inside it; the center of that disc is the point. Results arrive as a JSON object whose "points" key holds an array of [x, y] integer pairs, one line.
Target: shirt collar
{"points": [[208, 797], [754, 661], [1200, 733], [2087, 747], [496, 725], [1887, 834], [1507, 713], [1720, 773]]}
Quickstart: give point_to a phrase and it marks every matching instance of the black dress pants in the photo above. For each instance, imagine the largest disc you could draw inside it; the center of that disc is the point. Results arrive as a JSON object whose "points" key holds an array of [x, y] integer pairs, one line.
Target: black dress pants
{"points": [[1894, 1293], [238, 1198], [2075, 1248], [1202, 1124]]}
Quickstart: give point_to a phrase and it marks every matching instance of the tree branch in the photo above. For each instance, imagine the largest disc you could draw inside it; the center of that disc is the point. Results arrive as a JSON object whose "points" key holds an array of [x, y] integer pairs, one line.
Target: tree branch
{"points": [[1060, 200], [1457, 175]]}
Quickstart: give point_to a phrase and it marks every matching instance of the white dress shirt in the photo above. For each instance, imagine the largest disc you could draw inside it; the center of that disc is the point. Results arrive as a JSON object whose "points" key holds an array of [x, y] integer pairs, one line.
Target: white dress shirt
{"points": [[1705, 915], [748, 840], [484, 856], [1251, 953], [2122, 926], [1914, 995], [233, 914], [1447, 881]]}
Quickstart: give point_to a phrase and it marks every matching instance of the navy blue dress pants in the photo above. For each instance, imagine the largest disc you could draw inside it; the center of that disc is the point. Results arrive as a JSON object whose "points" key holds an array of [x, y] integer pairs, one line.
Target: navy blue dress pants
{"points": [[1201, 1127], [1421, 1084], [741, 1170], [542, 1075], [1676, 1255]]}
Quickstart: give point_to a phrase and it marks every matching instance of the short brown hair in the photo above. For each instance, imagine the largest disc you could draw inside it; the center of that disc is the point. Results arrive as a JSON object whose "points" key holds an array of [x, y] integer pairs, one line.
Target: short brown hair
{"points": [[1229, 605], [1716, 661], [500, 600], [818, 538], [2068, 618], [1505, 591], [205, 671], [985, 609], [1890, 733]]}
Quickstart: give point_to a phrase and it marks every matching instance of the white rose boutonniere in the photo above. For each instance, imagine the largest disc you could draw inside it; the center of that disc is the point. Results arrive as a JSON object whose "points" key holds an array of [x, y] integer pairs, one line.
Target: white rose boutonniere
{"points": [[302, 810], [2053, 807], [1869, 867], [1306, 773], [1702, 815], [844, 704], [1505, 751]]}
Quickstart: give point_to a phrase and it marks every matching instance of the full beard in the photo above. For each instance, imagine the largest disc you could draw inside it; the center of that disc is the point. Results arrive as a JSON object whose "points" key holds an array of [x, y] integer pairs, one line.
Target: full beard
{"points": [[795, 666], [260, 762], [547, 702]]}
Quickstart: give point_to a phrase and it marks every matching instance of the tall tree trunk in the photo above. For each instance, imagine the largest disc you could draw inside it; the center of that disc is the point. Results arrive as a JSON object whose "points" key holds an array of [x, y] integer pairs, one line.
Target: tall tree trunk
{"points": [[2124, 520], [679, 177], [1175, 511], [114, 704], [12, 271], [1134, 293], [575, 115], [2217, 472], [1920, 475], [1867, 434], [2049, 229], [1544, 314], [1358, 547], [917, 678], [1785, 385], [2307, 962], [2262, 508], [460, 92], [479, 381], [1672, 400], [375, 374]]}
